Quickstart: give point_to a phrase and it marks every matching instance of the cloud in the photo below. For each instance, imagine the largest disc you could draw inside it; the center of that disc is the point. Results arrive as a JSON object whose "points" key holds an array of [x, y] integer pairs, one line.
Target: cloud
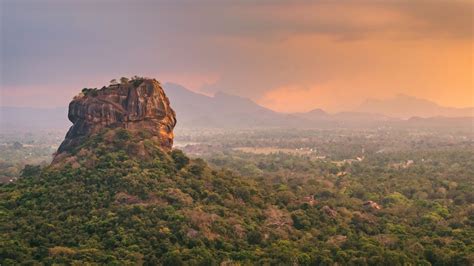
{"points": [[345, 20], [246, 48]]}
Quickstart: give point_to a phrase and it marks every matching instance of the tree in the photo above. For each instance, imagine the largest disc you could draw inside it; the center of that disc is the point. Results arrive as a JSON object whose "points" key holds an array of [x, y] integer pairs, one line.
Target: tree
{"points": [[31, 170], [180, 159], [124, 80], [17, 145], [113, 82], [300, 220]]}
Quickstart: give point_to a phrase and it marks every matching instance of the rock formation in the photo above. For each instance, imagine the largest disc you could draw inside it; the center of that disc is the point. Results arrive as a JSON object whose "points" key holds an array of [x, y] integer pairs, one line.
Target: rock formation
{"points": [[137, 106]]}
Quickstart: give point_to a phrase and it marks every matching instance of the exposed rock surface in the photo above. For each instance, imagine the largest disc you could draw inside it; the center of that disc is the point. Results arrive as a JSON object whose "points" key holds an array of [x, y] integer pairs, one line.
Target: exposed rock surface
{"points": [[138, 106], [372, 205]]}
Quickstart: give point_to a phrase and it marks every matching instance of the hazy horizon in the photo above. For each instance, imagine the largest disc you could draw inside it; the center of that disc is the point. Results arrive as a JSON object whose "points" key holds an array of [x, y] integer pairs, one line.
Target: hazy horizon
{"points": [[287, 56], [210, 132], [354, 108]]}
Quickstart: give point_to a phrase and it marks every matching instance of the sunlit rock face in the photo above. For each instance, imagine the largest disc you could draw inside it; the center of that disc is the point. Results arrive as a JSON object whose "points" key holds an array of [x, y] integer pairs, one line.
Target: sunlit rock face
{"points": [[137, 106]]}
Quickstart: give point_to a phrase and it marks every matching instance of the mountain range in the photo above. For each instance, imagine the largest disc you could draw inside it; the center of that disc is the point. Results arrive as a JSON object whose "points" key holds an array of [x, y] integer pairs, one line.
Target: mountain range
{"points": [[196, 110], [404, 106], [222, 110]]}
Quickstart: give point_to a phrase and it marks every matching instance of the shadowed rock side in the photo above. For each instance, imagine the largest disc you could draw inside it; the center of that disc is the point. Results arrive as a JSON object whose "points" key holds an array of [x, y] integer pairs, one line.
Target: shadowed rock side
{"points": [[138, 106]]}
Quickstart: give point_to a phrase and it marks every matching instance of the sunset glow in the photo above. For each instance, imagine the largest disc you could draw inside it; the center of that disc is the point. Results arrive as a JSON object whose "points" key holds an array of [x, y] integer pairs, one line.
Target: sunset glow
{"points": [[288, 56]]}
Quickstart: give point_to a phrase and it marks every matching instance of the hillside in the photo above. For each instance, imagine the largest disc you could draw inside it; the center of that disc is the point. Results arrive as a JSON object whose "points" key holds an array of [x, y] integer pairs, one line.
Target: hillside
{"points": [[111, 207]]}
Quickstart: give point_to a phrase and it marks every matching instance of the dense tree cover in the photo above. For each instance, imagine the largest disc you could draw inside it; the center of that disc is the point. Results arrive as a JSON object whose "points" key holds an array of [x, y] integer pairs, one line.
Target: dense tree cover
{"points": [[426, 207], [335, 143], [121, 200]]}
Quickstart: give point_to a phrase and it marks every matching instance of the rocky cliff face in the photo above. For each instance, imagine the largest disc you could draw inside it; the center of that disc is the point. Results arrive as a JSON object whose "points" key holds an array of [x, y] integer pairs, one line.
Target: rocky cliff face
{"points": [[137, 106]]}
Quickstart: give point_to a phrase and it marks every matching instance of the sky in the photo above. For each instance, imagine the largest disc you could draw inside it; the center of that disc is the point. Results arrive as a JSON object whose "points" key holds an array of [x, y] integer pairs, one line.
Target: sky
{"points": [[290, 56]]}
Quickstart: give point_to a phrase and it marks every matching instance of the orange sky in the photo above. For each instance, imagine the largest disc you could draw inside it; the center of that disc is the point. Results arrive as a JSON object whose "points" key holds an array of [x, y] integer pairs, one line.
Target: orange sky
{"points": [[286, 55], [440, 71]]}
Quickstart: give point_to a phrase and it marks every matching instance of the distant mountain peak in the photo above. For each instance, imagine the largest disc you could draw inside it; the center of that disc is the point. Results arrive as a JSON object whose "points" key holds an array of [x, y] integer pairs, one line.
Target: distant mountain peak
{"points": [[221, 110], [406, 106], [317, 111], [225, 95]]}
